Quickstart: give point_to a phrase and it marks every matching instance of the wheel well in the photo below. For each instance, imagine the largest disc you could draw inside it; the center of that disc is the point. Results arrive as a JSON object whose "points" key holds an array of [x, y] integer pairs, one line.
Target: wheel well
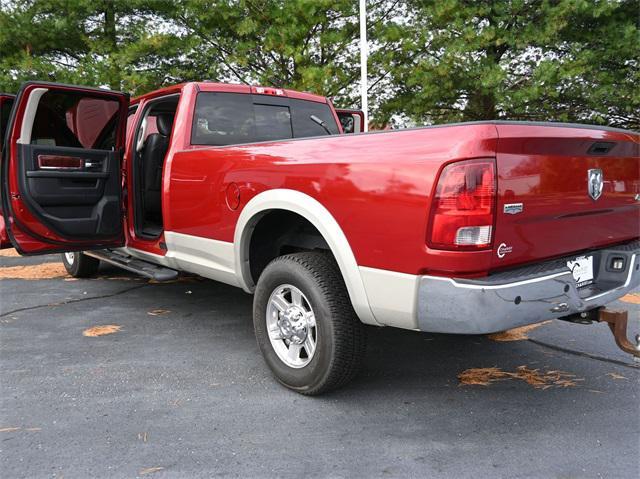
{"points": [[280, 232]]}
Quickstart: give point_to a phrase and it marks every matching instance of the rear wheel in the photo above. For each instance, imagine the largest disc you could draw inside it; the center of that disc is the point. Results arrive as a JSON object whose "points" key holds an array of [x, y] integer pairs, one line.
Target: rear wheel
{"points": [[305, 325], [79, 265]]}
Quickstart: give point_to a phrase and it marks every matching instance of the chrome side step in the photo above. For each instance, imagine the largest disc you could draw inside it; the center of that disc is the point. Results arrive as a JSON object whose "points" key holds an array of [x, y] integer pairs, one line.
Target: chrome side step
{"points": [[135, 265]]}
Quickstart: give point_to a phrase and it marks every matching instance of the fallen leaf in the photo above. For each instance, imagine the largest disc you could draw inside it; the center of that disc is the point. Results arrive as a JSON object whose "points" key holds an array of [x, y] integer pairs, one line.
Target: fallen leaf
{"points": [[565, 383], [101, 330], [150, 470], [616, 376], [533, 377], [158, 312], [633, 298], [516, 334], [481, 376], [9, 429], [34, 272]]}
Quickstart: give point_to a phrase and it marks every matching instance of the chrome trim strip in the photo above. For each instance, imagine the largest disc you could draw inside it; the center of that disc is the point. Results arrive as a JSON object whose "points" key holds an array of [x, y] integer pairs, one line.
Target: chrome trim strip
{"points": [[498, 286]]}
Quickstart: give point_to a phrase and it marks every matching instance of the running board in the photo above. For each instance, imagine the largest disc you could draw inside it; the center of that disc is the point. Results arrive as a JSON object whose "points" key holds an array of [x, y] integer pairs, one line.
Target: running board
{"points": [[135, 265]]}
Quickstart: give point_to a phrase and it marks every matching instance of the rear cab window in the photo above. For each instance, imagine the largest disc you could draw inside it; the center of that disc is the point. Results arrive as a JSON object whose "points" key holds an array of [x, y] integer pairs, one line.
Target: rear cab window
{"points": [[273, 122], [222, 118], [304, 126]]}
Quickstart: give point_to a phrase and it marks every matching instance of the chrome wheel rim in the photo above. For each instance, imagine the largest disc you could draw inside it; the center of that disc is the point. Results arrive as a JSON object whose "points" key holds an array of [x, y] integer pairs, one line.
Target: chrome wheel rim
{"points": [[291, 326], [70, 257]]}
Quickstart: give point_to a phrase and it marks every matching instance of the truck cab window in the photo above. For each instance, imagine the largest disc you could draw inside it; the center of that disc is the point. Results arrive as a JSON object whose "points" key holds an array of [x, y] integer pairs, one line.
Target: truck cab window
{"points": [[304, 126], [223, 119], [234, 118], [77, 121], [273, 122]]}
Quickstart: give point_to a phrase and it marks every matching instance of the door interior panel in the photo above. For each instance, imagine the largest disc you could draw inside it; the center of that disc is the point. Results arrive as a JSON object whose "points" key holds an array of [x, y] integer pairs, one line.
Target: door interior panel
{"points": [[61, 174], [50, 190], [78, 199]]}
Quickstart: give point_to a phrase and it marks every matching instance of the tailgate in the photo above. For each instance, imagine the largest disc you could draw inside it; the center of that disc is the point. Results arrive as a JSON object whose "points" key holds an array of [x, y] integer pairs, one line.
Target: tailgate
{"points": [[563, 190]]}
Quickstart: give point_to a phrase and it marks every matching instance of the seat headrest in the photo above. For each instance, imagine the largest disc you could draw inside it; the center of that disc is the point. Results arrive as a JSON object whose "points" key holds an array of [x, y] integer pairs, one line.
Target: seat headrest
{"points": [[164, 123]]}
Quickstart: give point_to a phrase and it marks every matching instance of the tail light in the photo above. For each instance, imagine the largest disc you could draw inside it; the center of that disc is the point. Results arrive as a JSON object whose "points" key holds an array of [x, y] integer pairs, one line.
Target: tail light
{"points": [[463, 206]]}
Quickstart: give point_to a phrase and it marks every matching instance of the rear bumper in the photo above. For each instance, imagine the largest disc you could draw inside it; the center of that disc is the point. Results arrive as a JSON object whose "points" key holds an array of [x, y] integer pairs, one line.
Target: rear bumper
{"points": [[524, 296]]}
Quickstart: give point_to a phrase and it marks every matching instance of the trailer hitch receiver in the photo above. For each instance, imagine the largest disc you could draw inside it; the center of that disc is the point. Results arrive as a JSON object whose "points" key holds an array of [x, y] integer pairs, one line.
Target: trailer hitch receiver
{"points": [[617, 322]]}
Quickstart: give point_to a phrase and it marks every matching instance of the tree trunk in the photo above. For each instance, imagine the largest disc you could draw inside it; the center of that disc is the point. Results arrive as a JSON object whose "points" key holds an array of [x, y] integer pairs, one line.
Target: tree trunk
{"points": [[482, 102], [481, 106], [115, 77]]}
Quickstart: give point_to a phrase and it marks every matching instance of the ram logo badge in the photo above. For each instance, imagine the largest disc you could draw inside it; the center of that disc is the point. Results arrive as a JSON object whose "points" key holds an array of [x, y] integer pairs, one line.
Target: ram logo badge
{"points": [[595, 181], [513, 208]]}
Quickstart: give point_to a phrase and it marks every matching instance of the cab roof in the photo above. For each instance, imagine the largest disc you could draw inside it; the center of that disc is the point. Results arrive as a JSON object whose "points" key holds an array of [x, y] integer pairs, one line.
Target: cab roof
{"points": [[231, 88]]}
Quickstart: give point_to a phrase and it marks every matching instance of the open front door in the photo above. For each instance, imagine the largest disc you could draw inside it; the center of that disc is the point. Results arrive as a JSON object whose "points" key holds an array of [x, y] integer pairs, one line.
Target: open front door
{"points": [[61, 168]]}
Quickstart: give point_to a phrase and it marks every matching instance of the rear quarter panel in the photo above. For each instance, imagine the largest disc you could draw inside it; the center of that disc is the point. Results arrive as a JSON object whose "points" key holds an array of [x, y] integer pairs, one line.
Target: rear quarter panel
{"points": [[377, 187]]}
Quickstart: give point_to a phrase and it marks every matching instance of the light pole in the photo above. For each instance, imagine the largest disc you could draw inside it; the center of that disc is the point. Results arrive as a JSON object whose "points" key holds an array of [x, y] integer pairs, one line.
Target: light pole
{"points": [[363, 63]]}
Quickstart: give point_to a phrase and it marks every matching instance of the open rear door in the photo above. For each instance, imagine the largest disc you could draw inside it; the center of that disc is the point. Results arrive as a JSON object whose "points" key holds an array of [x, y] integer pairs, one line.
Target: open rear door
{"points": [[61, 168]]}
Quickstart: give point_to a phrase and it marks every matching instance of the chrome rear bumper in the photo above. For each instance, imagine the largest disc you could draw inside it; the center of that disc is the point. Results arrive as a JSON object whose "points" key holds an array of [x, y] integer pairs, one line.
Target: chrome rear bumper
{"points": [[525, 296]]}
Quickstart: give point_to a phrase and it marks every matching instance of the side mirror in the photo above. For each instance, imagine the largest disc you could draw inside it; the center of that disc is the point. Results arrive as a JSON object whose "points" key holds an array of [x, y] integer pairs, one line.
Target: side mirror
{"points": [[352, 121]]}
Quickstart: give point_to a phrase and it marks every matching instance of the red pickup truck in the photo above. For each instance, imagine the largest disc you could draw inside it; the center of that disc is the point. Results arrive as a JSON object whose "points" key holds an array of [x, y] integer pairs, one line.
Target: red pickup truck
{"points": [[466, 228]]}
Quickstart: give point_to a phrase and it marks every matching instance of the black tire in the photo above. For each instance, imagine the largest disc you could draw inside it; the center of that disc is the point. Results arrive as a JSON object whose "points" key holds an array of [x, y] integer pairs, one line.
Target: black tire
{"points": [[341, 339], [81, 265]]}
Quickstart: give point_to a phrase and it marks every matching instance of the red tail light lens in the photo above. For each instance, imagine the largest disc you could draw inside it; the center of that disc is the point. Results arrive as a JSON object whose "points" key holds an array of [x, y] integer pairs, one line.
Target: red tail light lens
{"points": [[463, 206]]}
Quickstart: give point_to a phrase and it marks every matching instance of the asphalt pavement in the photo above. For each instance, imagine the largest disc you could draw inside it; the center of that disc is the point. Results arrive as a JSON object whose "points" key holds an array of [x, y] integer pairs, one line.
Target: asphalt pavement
{"points": [[179, 390]]}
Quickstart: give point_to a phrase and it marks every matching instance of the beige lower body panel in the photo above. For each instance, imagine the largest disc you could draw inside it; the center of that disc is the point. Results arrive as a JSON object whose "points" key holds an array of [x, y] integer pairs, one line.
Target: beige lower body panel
{"points": [[392, 296]]}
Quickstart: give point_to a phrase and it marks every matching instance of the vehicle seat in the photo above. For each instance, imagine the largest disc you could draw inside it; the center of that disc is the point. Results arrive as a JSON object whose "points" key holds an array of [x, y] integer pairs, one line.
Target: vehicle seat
{"points": [[153, 154]]}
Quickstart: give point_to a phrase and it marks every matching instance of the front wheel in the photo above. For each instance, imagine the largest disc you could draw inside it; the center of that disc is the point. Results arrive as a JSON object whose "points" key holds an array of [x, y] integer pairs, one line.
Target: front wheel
{"points": [[305, 325], [79, 265]]}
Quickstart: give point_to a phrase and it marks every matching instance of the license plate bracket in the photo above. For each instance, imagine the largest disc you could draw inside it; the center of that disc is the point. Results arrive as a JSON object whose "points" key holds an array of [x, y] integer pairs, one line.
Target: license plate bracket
{"points": [[582, 270]]}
